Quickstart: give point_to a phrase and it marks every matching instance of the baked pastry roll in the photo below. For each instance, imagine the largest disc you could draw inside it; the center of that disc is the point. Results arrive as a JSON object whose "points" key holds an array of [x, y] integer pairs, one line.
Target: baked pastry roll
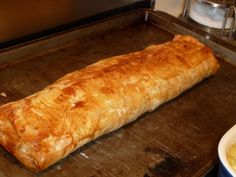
{"points": [[83, 105]]}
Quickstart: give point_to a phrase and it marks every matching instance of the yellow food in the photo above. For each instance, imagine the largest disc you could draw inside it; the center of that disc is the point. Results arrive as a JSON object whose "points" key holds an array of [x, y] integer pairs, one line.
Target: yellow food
{"points": [[231, 155]]}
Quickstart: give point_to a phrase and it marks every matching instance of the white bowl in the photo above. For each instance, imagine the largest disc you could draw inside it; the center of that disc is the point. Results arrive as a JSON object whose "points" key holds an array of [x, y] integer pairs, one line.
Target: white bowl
{"points": [[208, 15], [225, 143]]}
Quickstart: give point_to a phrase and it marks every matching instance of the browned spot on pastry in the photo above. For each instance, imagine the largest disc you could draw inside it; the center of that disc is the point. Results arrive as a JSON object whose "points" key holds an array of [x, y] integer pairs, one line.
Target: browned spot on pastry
{"points": [[27, 102], [79, 104], [69, 91], [183, 61], [22, 129], [9, 146], [10, 114], [107, 90]]}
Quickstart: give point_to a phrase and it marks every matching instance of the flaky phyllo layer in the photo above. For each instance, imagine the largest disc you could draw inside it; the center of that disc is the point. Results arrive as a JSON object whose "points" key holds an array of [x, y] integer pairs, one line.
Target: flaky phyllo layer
{"points": [[83, 105]]}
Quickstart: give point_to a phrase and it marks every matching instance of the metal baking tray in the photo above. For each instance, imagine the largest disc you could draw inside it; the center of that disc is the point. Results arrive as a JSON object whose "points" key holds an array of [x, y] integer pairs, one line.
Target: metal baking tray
{"points": [[179, 138]]}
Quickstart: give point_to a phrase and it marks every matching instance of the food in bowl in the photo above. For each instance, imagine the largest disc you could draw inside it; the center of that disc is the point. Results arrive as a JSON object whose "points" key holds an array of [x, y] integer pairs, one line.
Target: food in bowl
{"points": [[226, 149], [231, 156]]}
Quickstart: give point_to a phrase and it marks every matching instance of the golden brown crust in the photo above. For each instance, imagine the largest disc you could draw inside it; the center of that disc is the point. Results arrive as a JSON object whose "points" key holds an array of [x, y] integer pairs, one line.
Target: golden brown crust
{"points": [[85, 104]]}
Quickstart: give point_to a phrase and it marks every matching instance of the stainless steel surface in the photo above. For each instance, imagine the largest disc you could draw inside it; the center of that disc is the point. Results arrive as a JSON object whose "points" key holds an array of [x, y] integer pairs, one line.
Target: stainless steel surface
{"points": [[218, 3], [231, 13], [186, 7]]}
